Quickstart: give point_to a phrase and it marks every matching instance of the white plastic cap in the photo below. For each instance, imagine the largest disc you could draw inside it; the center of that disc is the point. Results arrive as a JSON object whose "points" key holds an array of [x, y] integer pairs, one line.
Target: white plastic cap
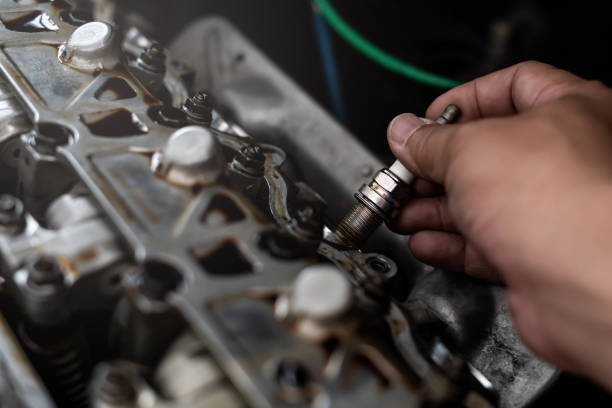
{"points": [[90, 38], [402, 172], [92, 46], [191, 156], [321, 292], [190, 146]]}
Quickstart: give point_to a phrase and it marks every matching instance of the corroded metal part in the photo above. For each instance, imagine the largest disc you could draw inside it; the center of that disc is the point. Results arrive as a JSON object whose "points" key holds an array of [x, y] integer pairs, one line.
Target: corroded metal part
{"points": [[182, 267]]}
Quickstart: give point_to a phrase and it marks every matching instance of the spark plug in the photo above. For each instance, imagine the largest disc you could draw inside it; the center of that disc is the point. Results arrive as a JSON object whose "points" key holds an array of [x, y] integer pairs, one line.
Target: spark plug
{"points": [[381, 199]]}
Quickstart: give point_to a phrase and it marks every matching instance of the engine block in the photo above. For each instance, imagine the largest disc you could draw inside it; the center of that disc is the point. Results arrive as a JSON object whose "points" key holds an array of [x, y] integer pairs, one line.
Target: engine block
{"points": [[161, 248]]}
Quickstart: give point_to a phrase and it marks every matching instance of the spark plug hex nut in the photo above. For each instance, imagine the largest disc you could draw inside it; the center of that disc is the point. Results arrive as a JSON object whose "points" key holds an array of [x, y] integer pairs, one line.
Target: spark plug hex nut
{"points": [[384, 194]]}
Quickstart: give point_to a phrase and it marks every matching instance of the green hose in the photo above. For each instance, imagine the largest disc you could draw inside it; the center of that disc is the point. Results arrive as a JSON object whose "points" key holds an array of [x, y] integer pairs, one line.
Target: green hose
{"points": [[379, 56]]}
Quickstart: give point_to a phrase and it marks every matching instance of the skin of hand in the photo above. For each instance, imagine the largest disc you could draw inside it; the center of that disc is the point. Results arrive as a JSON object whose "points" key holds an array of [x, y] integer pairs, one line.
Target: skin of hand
{"points": [[520, 191]]}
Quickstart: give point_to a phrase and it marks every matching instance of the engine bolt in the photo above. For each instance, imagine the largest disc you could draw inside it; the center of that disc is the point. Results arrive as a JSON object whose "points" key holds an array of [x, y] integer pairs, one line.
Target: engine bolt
{"points": [[44, 296], [12, 214], [158, 280], [250, 160], [153, 59], [7, 204], [199, 109], [117, 388], [45, 271], [306, 213], [49, 136]]}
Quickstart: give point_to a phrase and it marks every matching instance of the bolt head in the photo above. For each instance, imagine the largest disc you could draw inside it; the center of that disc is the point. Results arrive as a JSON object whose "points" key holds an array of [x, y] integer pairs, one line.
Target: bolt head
{"points": [[306, 213], [378, 265], [158, 280], [253, 154], [117, 388], [251, 160], [12, 213], [7, 204], [51, 135], [153, 59], [199, 108], [45, 271], [309, 216], [156, 50]]}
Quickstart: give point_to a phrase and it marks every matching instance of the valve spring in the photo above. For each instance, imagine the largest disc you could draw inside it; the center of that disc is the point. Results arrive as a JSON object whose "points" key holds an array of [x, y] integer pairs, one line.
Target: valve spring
{"points": [[69, 367], [64, 367]]}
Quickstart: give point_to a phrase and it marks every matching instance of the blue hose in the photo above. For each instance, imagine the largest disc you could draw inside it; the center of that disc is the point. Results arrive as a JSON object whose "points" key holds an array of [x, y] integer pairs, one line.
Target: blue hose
{"points": [[329, 65]]}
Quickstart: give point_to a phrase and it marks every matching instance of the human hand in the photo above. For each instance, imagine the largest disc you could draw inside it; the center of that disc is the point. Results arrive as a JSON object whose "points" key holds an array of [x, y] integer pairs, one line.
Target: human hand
{"points": [[521, 191]]}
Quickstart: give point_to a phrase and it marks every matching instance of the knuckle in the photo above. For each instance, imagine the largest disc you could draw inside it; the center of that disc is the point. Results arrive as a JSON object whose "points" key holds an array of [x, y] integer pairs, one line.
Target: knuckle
{"points": [[531, 64], [433, 149], [441, 209], [419, 146], [569, 111], [597, 85], [460, 140]]}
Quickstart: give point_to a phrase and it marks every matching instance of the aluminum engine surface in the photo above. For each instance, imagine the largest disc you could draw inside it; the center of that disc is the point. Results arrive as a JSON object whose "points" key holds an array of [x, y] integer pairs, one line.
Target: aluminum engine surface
{"points": [[186, 245]]}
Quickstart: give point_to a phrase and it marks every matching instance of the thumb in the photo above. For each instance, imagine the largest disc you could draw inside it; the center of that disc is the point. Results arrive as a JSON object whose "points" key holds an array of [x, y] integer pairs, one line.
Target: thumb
{"points": [[422, 147]]}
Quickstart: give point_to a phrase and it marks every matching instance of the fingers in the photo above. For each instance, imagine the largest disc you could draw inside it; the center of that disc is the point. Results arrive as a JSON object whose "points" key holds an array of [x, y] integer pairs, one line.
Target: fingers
{"points": [[512, 90], [425, 214], [449, 252], [424, 188], [421, 148], [440, 249]]}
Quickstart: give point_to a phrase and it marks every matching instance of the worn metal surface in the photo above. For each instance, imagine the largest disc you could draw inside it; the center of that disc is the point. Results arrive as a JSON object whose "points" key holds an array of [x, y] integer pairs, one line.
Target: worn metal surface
{"points": [[215, 256], [269, 105]]}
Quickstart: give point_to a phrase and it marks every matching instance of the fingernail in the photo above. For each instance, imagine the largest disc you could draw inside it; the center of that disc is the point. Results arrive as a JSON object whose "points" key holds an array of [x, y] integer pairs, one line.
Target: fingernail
{"points": [[402, 127]]}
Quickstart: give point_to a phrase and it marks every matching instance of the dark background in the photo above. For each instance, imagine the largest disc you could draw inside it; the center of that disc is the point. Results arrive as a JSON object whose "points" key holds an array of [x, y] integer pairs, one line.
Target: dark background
{"points": [[456, 39]]}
